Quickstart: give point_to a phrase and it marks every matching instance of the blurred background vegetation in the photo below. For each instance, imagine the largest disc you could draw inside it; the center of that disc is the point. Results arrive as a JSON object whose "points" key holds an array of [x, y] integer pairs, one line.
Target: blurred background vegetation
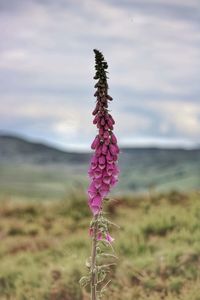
{"points": [[35, 170], [44, 221]]}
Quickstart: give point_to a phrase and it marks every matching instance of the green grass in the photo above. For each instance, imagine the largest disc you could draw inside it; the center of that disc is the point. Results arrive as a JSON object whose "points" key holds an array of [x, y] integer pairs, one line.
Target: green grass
{"points": [[35, 181], [52, 181], [44, 246]]}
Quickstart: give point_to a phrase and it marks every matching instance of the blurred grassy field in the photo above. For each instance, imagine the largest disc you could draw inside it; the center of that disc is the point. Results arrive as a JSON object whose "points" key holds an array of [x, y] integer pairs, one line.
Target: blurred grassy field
{"points": [[39, 181], [53, 181], [44, 246]]}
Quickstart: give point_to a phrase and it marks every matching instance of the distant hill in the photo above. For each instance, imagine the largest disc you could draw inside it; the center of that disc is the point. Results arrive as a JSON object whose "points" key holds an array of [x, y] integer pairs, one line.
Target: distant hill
{"points": [[36, 169], [18, 150]]}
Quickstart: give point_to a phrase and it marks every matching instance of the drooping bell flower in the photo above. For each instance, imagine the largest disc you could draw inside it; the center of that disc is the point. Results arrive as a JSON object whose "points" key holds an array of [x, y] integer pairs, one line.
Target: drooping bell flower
{"points": [[109, 238], [103, 171]]}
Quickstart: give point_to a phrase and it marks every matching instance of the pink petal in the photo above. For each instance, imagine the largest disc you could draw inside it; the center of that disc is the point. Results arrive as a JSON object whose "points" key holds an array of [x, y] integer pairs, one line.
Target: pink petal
{"points": [[96, 201], [104, 149], [95, 209], [109, 157], [113, 139], [113, 149], [101, 131], [102, 167], [106, 179], [109, 169], [97, 183], [98, 150], [91, 173], [109, 238], [92, 191], [107, 141], [91, 231], [103, 122], [95, 204], [104, 189], [111, 119], [106, 135], [94, 162], [94, 165], [96, 119], [97, 173], [95, 143], [94, 159], [115, 171], [102, 159], [99, 236], [115, 157], [113, 181]]}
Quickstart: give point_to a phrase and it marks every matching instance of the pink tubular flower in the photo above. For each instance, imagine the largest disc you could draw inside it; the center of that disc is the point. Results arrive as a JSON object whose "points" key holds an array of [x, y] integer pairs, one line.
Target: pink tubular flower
{"points": [[109, 158], [91, 230], [103, 169], [99, 236], [109, 238]]}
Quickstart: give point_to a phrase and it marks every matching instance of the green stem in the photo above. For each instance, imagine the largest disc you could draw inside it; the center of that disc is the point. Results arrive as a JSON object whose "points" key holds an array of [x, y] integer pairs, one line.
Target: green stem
{"points": [[93, 260]]}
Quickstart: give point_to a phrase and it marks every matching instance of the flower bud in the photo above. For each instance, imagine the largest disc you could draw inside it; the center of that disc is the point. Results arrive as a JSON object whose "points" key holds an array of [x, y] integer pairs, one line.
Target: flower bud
{"points": [[113, 149], [113, 139], [95, 143]]}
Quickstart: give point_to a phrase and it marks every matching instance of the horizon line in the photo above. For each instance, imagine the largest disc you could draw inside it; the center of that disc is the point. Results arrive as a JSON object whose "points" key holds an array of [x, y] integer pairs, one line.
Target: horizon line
{"points": [[173, 145]]}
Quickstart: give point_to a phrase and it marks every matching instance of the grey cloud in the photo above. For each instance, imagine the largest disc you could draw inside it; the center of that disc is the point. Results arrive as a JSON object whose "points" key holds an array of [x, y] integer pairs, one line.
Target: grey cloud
{"points": [[46, 64], [184, 10]]}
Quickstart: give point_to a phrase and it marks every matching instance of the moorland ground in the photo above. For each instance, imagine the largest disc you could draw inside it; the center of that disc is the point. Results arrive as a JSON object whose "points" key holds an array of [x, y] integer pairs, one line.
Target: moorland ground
{"points": [[44, 246]]}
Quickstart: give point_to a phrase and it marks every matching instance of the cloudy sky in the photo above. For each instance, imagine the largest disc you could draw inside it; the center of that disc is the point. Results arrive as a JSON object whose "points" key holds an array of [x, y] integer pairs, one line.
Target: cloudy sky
{"points": [[46, 69]]}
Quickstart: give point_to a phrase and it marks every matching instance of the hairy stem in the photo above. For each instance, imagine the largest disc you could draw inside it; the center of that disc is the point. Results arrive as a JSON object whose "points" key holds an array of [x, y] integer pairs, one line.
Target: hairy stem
{"points": [[93, 260]]}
